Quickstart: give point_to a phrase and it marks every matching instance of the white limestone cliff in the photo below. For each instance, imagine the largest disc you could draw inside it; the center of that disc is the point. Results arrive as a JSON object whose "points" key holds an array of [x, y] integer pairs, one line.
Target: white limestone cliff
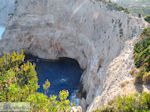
{"points": [[6, 9], [85, 30]]}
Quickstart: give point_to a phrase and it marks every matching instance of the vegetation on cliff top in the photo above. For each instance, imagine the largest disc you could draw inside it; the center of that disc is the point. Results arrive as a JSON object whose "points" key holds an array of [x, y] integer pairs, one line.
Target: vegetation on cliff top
{"points": [[137, 102], [147, 18], [133, 103], [115, 6], [142, 57], [137, 7], [18, 83]]}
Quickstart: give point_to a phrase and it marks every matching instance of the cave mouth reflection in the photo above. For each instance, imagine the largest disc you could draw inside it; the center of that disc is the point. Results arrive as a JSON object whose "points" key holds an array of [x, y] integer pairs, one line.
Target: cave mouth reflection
{"points": [[63, 74]]}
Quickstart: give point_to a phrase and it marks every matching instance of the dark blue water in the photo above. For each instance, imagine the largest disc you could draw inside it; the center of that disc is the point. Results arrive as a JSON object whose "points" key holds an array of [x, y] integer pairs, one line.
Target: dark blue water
{"points": [[63, 74]]}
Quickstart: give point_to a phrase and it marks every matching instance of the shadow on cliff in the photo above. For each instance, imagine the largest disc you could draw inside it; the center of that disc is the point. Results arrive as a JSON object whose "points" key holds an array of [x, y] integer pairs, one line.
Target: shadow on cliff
{"points": [[139, 87]]}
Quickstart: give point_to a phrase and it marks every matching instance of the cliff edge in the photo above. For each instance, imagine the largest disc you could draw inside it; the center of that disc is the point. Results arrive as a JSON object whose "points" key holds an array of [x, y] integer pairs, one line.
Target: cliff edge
{"points": [[99, 38]]}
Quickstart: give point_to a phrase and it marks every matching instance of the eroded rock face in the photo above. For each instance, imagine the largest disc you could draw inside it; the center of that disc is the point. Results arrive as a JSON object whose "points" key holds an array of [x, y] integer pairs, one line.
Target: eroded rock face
{"points": [[85, 30], [119, 71], [6, 8]]}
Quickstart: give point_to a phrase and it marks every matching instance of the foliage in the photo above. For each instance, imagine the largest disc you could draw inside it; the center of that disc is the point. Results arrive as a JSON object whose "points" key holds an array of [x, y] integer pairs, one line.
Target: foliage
{"points": [[17, 79], [143, 10], [133, 103], [136, 7], [147, 18], [115, 6], [46, 86], [19, 83], [146, 32], [41, 102], [142, 57]]}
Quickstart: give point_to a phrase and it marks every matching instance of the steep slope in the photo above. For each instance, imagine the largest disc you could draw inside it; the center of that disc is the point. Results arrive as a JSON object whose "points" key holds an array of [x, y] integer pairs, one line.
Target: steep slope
{"points": [[85, 30], [118, 78]]}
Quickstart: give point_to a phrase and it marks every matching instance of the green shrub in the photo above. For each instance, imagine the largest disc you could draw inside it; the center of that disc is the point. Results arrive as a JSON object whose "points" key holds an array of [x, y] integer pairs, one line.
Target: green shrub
{"points": [[142, 56], [115, 6], [133, 103], [147, 18], [19, 83], [146, 32]]}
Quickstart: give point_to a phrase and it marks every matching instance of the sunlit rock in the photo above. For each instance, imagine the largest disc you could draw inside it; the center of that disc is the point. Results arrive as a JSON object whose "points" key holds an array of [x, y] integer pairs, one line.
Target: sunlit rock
{"points": [[85, 30]]}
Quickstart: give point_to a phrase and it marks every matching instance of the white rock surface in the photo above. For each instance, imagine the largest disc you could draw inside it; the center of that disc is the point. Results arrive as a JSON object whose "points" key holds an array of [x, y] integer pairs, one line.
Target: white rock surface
{"points": [[117, 72], [76, 109], [85, 30], [6, 8]]}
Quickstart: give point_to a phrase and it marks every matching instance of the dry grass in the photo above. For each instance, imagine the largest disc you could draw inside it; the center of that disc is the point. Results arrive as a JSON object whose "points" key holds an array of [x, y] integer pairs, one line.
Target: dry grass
{"points": [[146, 78], [124, 83], [133, 71]]}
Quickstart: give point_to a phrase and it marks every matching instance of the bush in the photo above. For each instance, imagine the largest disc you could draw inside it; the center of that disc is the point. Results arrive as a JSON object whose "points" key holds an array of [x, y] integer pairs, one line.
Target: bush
{"points": [[142, 56], [133, 103], [115, 6], [146, 32], [19, 83], [147, 18]]}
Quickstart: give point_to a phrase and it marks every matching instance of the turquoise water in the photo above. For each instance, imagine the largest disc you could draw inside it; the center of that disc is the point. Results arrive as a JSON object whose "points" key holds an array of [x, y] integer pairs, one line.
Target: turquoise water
{"points": [[1, 31], [63, 74]]}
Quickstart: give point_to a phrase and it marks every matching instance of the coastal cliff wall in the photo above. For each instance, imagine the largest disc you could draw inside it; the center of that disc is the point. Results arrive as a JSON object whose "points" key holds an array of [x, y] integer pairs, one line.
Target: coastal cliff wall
{"points": [[6, 8], [85, 30]]}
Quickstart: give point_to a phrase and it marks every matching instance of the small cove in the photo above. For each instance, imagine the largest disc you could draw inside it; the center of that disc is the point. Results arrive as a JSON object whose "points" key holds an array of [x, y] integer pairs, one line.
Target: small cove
{"points": [[63, 74]]}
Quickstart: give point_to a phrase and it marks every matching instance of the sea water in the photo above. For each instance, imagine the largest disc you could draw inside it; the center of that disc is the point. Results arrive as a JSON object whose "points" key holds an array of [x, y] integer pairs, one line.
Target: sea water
{"points": [[63, 74]]}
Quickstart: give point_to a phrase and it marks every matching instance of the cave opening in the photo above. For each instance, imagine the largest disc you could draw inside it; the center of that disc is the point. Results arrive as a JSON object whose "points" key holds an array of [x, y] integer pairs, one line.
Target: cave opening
{"points": [[63, 74]]}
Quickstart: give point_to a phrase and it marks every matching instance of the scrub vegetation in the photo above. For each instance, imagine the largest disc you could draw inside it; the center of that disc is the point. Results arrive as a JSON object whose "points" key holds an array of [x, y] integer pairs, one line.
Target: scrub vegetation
{"points": [[147, 18], [115, 6], [133, 103], [19, 83], [142, 57], [137, 7]]}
